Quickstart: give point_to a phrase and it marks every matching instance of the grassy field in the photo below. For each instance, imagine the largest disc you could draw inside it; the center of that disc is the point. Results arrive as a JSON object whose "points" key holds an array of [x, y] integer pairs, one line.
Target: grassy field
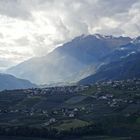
{"points": [[76, 99], [29, 102], [68, 124]]}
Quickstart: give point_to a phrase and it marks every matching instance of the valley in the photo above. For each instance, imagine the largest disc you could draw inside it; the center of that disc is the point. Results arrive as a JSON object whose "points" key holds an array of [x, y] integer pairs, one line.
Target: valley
{"points": [[69, 70], [88, 88], [102, 109]]}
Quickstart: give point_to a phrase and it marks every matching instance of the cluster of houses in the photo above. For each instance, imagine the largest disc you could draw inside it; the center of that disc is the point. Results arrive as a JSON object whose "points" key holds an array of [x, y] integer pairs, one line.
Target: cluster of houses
{"points": [[134, 84], [56, 90], [52, 116]]}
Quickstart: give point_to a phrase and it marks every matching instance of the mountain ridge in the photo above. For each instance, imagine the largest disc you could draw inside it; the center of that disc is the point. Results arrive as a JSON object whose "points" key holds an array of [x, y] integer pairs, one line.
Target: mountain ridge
{"points": [[63, 64], [127, 68], [10, 82]]}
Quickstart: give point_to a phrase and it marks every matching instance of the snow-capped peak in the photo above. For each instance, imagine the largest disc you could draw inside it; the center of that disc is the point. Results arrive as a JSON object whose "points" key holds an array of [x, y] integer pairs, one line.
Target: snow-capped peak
{"points": [[99, 36]]}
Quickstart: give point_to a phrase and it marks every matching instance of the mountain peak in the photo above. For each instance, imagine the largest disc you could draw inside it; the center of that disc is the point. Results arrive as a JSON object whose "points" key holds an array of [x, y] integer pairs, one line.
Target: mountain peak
{"points": [[101, 36], [104, 37], [69, 59], [97, 36]]}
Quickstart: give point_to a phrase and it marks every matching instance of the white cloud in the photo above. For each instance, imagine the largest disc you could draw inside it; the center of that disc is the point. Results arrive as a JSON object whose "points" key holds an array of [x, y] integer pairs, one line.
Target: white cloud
{"points": [[34, 27]]}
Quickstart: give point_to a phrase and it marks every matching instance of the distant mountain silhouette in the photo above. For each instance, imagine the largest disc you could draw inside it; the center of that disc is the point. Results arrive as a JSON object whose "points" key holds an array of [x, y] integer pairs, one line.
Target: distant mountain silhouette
{"points": [[10, 82]]}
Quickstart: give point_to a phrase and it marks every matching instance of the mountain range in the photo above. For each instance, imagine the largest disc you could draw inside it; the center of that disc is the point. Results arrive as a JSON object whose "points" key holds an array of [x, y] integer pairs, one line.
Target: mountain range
{"points": [[73, 61], [9, 82], [127, 68]]}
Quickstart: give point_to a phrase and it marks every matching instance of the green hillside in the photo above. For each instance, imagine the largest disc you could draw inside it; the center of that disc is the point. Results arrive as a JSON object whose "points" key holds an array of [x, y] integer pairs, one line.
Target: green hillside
{"points": [[109, 111]]}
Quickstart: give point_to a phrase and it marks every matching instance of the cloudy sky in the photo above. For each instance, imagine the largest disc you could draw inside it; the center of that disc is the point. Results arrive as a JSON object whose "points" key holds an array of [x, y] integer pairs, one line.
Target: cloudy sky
{"points": [[31, 28]]}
